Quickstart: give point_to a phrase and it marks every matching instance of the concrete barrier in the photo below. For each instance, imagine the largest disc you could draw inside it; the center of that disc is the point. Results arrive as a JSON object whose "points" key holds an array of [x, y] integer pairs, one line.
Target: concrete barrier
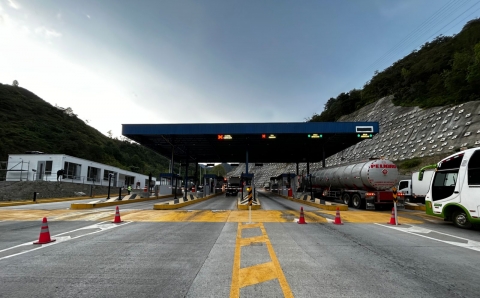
{"points": [[179, 203], [107, 204], [326, 206], [244, 206]]}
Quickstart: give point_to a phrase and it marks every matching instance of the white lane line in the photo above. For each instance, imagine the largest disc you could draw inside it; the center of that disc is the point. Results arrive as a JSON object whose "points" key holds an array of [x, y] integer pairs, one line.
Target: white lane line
{"points": [[102, 226], [417, 231]]}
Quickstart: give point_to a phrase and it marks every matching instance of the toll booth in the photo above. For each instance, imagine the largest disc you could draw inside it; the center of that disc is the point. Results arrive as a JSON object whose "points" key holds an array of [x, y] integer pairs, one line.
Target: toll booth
{"points": [[274, 184], [246, 180], [286, 184], [191, 187], [210, 182], [169, 184]]}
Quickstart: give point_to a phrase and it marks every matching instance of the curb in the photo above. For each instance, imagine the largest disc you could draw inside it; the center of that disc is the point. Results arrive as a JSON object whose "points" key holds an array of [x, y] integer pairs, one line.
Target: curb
{"points": [[341, 207], [51, 200], [165, 206], [409, 207], [108, 204]]}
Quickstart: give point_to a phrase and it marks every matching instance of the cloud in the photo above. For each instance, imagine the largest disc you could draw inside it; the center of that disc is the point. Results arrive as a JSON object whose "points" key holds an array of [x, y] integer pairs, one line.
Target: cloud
{"points": [[13, 4], [59, 16], [48, 33], [88, 16]]}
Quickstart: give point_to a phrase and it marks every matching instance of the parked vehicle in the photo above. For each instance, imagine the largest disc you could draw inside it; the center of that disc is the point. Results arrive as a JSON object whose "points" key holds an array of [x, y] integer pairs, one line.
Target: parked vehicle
{"points": [[415, 190], [360, 185], [455, 189], [266, 186], [233, 186]]}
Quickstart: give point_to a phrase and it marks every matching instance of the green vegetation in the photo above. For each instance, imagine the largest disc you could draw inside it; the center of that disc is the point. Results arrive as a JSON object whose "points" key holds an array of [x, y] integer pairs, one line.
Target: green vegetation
{"points": [[409, 164], [28, 123], [444, 71]]}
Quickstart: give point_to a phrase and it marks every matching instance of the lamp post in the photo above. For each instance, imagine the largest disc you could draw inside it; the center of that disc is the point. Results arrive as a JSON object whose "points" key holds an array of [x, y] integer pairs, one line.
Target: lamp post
{"points": [[109, 180]]}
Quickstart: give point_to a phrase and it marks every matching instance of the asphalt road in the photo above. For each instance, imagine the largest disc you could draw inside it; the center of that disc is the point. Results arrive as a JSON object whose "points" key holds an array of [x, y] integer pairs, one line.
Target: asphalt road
{"points": [[191, 259], [270, 201], [208, 258]]}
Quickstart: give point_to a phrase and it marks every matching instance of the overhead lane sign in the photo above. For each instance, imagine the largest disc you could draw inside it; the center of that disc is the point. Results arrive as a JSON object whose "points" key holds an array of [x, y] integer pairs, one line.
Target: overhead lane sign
{"points": [[224, 137]]}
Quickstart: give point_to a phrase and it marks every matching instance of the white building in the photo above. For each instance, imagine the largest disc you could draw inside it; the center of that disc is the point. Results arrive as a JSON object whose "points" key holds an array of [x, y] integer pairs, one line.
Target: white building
{"points": [[39, 166]]}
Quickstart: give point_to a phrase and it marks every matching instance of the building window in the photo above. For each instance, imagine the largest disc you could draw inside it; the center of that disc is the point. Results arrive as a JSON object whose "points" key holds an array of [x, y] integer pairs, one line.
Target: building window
{"points": [[72, 170], [93, 174], [48, 167]]}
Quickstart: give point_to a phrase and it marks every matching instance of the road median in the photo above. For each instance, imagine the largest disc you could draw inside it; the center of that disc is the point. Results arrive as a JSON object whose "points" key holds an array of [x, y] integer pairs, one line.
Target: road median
{"points": [[115, 203], [181, 202]]}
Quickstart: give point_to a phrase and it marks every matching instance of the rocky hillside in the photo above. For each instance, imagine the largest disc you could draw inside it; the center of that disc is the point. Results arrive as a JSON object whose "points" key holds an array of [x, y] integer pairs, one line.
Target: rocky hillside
{"points": [[409, 136]]}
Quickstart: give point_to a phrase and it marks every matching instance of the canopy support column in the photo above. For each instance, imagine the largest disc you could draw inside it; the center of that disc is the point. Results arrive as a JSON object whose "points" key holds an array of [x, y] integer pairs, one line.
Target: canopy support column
{"points": [[171, 166], [186, 178], [323, 157], [246, 162]]}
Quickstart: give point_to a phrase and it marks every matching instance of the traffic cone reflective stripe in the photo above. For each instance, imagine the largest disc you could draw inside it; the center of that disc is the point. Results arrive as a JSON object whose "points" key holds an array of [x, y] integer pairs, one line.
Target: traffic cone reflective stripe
{"points": [[338, 220], [117, 216], [44, 233], [302, 217]]}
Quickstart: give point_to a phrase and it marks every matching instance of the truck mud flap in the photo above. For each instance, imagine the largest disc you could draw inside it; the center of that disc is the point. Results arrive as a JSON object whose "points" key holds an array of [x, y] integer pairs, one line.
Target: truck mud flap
{"points": [[400, 205], [369, 205]]}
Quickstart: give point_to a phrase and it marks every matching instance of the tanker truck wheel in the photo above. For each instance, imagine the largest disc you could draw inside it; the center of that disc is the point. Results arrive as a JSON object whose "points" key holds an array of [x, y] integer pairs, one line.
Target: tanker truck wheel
{"points": [[346, 199], [357, 201]]}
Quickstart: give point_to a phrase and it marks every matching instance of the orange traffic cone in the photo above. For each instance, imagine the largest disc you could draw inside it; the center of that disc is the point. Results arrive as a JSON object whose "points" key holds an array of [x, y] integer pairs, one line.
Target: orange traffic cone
{"points": [[302, 217], [338, 220], [392, 218], [44, 234], [117, 217]]}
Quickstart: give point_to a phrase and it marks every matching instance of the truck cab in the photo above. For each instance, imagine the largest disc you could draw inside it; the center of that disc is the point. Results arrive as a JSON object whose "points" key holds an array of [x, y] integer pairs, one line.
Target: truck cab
{"points": [[405, 187], [233, 186]]}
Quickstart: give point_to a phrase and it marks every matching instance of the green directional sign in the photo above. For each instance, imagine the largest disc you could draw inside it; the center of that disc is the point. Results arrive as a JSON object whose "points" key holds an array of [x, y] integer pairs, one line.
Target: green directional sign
{"points": [[364, 135]]}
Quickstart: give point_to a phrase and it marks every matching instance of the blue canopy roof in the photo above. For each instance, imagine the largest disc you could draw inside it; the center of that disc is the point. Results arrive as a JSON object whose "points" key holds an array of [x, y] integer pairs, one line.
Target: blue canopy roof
{"points": [[264, 142]]}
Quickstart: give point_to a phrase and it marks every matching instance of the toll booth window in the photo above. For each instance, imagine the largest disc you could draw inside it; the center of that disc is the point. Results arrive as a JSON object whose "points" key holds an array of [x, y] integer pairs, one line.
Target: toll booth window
{"points": [[474, 169]]}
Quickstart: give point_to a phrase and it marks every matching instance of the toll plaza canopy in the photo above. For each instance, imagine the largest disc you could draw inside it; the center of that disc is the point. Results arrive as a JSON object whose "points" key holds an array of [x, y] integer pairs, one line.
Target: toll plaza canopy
{"points": [[252, 142]]}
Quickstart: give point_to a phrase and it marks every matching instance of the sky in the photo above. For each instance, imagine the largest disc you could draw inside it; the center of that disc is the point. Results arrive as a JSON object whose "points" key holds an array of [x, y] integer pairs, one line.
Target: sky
{"points": [[120, 62]]}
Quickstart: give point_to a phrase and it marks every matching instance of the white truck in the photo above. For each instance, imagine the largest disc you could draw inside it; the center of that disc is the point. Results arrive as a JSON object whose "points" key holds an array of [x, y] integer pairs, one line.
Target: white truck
{"points": [[454, 192], [360, 185], [233, 186], [415, 190]]}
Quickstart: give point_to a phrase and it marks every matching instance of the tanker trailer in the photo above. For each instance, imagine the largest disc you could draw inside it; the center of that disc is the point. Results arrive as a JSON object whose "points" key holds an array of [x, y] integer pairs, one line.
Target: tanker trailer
{"points": [[359, 185]]}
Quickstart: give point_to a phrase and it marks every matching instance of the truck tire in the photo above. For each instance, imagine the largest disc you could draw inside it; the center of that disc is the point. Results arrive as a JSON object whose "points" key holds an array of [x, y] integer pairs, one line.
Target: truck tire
{"points": [[357, 201], [346, 199], [460, 219]]}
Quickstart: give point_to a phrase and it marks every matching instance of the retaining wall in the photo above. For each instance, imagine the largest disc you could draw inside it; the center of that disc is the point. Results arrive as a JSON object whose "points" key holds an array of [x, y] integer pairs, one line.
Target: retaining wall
{"points": [[23, 190]]}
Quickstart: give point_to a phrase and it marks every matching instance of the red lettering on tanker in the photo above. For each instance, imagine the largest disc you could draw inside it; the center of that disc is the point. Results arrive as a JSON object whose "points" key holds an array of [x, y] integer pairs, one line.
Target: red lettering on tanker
{"points": [[383, 166]]}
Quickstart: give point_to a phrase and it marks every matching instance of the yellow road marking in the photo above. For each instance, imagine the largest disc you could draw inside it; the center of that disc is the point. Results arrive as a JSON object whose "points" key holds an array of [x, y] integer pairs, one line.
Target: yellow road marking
{"points": [[243, 277], [256, 274], [259, 216], [370, 217]]}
